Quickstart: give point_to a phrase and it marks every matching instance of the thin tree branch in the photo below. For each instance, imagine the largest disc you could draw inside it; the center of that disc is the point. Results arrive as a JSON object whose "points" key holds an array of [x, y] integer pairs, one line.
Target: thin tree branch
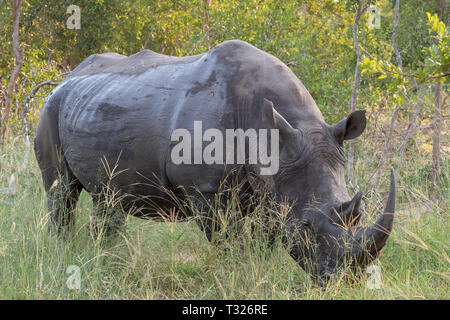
{"points": [[436, 166], [411, 126], [18, 56], [394, 36], [360, 10], [32, 95], [437, 123], [12, 188], [206, 25], [397, 106], [408, 75]]}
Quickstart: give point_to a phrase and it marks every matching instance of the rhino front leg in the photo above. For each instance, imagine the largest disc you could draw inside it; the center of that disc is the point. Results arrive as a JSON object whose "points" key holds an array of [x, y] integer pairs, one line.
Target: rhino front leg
{"points": [[106, 219], [214, 218], [204, 214]]}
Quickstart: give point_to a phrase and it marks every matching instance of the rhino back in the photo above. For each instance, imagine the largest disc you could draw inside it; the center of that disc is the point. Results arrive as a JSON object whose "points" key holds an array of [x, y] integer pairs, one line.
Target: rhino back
{"points": [[118, 117], [119, 112]]}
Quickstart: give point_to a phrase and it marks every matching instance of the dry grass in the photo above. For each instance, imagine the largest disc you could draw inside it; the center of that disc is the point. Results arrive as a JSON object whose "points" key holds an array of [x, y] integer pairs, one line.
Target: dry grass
{"points": [[170, 260]]}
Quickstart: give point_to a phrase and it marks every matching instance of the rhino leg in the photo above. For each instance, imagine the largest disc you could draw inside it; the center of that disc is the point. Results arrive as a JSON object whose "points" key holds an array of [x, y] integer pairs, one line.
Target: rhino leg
{"points": [[61, 186], [62, 198], [204, 207], [106, 219], [214, 218]]}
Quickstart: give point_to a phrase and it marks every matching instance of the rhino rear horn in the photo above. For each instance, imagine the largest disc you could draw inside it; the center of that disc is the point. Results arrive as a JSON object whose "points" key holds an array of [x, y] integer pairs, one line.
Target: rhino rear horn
{"points": [[276, 119], [290, 136]]}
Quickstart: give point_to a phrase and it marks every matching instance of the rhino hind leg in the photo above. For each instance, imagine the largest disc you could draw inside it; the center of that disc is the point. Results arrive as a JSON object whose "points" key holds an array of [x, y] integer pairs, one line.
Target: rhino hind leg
{"points": [[62, 187], [62, 198], [63, 190]]}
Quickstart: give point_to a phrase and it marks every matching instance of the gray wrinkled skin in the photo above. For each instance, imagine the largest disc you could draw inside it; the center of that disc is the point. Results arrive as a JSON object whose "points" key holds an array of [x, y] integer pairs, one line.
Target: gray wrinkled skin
{"points": [[122, 111]]}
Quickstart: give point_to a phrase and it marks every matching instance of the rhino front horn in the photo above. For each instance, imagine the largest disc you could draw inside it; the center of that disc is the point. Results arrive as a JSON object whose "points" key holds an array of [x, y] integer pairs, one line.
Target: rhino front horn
{"points": [[377, 235]]}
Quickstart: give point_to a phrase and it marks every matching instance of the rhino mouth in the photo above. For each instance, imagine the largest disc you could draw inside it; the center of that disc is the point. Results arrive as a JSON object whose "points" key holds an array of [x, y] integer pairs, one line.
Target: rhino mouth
{"points": [[345, 242]]}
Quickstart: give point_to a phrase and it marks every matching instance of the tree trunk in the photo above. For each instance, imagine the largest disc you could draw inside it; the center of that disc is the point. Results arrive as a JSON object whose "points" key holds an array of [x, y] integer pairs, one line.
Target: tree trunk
{"points": [[18, 56], [385, 147], [412, 126], [206, 25], [441, 10], [436, 167], [397, 106], [351, 149]]}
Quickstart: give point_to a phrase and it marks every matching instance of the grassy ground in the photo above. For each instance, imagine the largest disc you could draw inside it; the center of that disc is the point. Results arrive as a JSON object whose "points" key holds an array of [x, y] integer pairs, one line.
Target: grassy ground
{"points": [[175, 261]]}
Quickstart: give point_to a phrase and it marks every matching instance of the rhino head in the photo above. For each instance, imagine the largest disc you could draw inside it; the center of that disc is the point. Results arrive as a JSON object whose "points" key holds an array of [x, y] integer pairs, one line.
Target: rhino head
{"points": [[324, 222]]}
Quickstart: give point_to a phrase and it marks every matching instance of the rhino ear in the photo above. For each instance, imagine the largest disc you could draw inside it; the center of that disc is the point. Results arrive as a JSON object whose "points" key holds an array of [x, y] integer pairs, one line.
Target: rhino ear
{"points": [[290, 137], [351, 127]]}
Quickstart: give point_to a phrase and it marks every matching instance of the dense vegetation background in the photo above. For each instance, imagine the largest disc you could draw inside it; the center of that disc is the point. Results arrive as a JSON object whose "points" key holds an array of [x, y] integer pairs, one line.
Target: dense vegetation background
{"points": [[401, 80]]}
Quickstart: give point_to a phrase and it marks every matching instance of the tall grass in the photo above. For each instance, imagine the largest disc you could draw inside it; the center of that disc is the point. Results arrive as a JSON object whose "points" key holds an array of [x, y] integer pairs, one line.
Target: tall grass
{"points": [[174, 260]]}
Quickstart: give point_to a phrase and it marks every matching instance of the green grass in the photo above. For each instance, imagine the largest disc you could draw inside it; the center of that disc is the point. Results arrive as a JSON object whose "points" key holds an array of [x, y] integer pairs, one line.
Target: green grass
{"points": [[152, 260]]}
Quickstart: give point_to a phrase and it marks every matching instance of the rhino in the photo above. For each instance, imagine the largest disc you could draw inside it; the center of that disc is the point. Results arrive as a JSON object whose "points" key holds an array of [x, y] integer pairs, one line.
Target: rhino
{"points": [[111, 123]]}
